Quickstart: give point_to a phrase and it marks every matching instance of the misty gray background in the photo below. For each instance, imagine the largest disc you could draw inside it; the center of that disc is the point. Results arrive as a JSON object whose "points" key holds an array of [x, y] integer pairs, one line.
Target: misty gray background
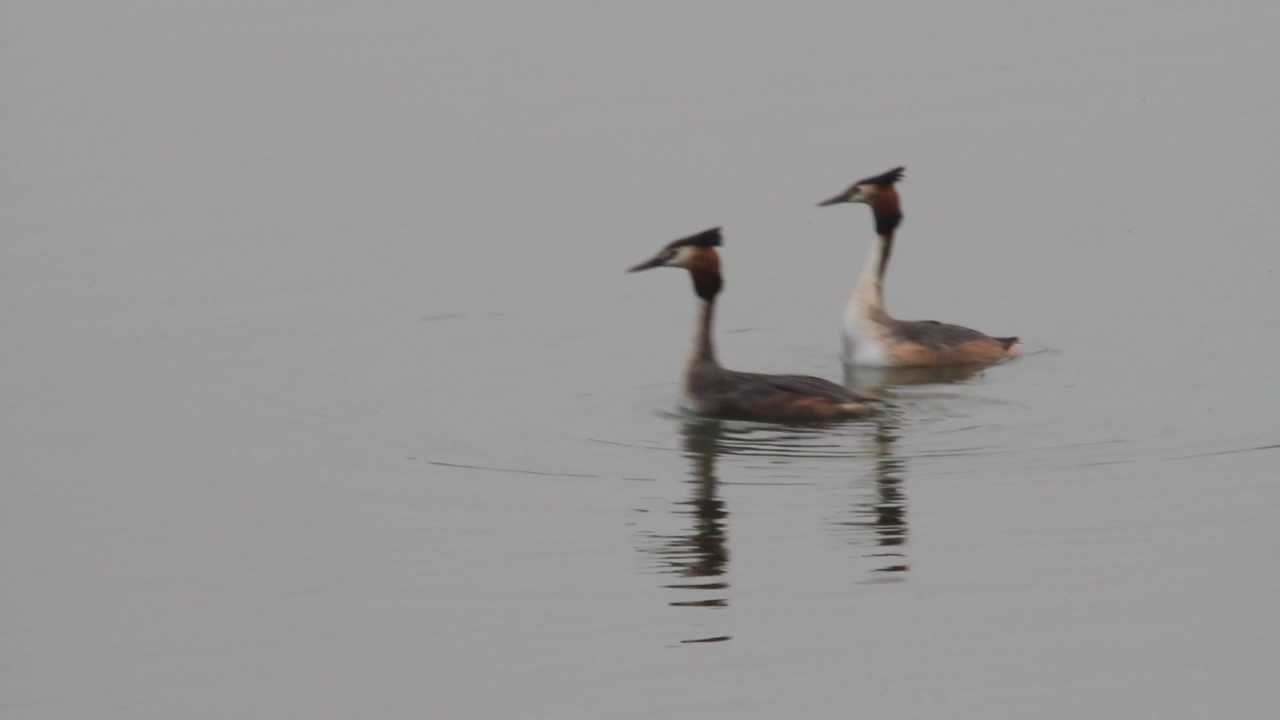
{"points": [[325, 395]]}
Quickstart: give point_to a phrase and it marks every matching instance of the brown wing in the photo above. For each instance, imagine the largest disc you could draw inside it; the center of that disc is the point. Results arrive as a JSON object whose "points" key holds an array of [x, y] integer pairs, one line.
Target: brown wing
{"points": [[803, 385], [934, 334], [772, 398]]}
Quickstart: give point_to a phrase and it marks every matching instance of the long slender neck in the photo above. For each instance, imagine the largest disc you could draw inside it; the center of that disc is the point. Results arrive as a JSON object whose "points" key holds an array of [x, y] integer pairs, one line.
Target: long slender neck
{"points": [[868, 296], [704, 348], [707, 285], [871, 282]]}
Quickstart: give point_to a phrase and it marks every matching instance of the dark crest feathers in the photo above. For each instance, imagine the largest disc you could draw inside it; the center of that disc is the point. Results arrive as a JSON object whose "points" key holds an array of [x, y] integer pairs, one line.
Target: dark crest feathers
{"points": [[884, 180], [706, 238]]}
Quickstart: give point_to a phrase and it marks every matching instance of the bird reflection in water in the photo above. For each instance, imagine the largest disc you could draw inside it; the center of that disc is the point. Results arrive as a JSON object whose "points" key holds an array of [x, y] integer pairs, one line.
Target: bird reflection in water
{"points": [[700, 553], [877, 379], [881, 520]]}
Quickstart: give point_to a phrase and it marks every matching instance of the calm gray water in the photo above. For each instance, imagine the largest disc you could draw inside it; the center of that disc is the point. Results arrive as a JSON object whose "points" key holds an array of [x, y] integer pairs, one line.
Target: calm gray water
{"points": [[325, 394]]}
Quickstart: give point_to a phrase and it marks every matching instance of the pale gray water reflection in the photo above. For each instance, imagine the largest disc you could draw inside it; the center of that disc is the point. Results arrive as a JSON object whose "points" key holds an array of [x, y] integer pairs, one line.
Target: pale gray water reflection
{"points": [[877, 379], [700, 552], [879, 518]]}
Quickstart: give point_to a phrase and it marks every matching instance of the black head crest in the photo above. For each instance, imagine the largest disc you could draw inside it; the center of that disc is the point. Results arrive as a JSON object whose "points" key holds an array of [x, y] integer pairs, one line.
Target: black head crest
{"points": [[884, 180], [706, 238]]}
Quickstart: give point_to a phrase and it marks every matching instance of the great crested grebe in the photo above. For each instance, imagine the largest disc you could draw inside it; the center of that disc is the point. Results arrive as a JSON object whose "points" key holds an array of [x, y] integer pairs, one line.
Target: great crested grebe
{"points": [[871, 337], [714, 391]]}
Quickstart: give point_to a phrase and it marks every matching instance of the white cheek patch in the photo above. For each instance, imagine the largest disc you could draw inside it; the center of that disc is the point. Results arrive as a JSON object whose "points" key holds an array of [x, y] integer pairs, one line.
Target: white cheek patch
{"points": [[682, 258]]}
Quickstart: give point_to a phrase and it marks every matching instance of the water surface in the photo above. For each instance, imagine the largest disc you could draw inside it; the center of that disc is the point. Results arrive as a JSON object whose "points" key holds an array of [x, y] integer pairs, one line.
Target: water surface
{"points": [[326, 396]]}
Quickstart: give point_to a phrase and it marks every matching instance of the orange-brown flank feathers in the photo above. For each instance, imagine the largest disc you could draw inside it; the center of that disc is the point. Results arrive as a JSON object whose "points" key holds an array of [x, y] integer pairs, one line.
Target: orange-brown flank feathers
{"points": [[718, 392], [714, 391], [974, 352]]}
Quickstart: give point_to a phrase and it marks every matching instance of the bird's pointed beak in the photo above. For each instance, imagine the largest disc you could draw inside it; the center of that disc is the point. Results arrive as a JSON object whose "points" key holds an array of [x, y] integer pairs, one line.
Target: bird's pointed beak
{"points": [[647, 264], [835, 200]]}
